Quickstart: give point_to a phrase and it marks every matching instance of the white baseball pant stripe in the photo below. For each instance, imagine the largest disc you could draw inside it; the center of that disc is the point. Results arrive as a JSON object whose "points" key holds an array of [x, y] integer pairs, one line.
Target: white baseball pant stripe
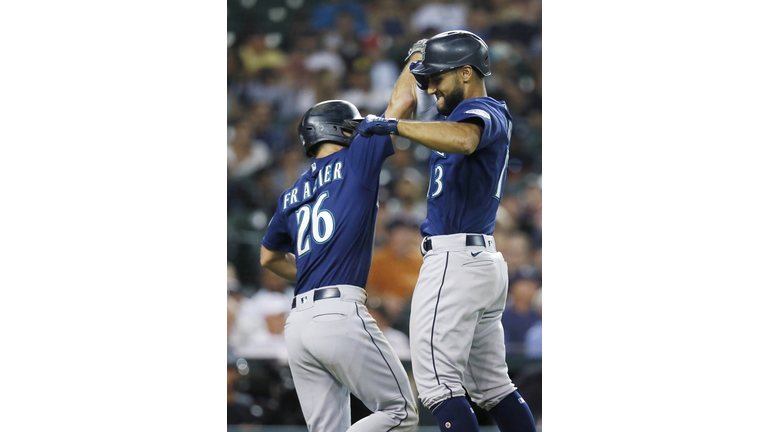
{"points": [[334, 348], [456, 334]]}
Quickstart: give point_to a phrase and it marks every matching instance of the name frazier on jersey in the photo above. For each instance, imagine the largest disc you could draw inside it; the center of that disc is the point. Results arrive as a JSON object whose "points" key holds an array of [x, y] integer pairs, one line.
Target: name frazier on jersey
{"points": [[328, 174]]}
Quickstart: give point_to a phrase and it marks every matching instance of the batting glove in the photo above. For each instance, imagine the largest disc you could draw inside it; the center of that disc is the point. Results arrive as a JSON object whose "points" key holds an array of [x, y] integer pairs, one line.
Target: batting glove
{"points": [[373, 125], [417, 47], [421, 81]]}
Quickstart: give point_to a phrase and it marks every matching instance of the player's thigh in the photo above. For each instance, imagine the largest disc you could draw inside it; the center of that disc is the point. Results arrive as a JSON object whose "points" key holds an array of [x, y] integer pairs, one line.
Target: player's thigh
{"points": [[450, 296], [371, 369], [486, 375], [324, 399]]}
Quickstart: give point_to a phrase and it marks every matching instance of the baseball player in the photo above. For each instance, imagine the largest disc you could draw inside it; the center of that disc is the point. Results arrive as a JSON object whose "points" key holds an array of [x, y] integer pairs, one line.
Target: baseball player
{"points": [[456, 335], [321, 238]]}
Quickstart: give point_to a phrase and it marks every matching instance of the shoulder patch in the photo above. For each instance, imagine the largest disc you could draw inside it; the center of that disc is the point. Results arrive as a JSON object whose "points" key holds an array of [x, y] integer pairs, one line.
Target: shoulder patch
{"points": [[481, 113]]}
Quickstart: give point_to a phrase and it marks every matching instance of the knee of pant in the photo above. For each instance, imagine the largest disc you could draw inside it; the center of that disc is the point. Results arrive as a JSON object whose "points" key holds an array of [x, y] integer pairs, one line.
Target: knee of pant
{"points": [[489, 402], [408, 418], [406, 415], [411, 422]]}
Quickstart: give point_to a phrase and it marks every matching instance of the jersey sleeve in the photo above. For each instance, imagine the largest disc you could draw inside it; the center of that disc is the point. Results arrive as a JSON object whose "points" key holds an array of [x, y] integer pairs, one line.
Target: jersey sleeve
{"points": [[477, 110], [366, 157], [278, 238]]}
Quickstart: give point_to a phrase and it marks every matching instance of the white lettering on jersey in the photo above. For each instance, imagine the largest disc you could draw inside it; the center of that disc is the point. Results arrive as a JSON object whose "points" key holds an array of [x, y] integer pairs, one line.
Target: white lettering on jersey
{"points": [[327, 174], [293, 195], [285, 200], [307, 192], [481, 113], [337, 171]]}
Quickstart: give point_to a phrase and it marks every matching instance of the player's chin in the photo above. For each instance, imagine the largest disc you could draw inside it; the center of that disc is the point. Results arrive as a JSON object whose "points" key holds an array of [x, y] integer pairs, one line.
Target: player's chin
{"points": [[442, 108]]}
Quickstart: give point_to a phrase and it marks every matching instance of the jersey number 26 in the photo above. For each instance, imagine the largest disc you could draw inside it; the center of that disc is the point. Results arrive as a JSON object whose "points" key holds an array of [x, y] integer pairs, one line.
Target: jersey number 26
{"points": [[312, 213]]}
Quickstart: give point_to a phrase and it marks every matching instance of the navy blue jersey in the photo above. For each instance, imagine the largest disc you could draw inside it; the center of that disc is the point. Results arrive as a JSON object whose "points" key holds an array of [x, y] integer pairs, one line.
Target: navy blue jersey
{"points": [[465, 190], [327, 218]]}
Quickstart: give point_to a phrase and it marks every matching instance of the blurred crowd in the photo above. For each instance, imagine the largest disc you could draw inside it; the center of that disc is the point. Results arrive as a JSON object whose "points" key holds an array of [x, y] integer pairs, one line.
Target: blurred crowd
{"points": [[283, 56]]}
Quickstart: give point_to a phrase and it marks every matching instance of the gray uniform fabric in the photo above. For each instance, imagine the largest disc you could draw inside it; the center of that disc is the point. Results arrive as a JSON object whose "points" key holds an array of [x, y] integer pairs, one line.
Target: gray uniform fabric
{"points": [[334, 348], [455, 323]]}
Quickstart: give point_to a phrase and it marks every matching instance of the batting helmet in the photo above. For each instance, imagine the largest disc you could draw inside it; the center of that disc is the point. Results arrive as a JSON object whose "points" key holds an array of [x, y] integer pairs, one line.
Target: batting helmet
{"points": [[327, 121], [451, 50]]}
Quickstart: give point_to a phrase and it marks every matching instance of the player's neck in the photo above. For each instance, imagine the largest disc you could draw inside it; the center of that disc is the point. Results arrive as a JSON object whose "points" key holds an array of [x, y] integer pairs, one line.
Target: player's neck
{"points": [[475, 91], [327, 149]]}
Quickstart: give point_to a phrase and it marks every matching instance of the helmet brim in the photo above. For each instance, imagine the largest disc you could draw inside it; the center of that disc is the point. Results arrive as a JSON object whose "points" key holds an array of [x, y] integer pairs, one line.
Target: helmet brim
{"points": [[432, 68], [354, 121]]}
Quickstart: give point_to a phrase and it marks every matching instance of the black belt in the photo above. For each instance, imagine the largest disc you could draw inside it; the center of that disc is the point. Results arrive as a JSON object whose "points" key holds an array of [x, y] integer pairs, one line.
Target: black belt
{"points": [[321, 294], [472, 240]]}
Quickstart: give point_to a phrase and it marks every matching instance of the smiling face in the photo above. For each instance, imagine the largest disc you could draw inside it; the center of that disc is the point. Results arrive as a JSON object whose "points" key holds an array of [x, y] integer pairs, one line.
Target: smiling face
{"points": [[448, 89]]}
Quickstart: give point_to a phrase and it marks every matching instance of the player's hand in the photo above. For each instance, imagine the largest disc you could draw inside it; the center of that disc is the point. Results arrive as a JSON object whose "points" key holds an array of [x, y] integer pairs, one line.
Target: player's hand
{"points": [[372, 125], [421, 80], [417, 47]]}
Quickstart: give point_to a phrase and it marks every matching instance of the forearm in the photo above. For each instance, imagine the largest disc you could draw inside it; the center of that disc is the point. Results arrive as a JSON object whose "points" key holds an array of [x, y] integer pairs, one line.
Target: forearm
{"points": [[281, 263], [446, 137], [402, 103]]}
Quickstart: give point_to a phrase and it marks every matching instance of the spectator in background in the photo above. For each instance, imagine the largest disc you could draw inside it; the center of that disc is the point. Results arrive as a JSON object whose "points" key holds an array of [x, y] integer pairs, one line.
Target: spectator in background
{"points": [[238, 404], [407, 200], [233, 283], [533, 216], [519, 315], [517, 253], [262, 116], [322, 85], [395, 267], [478, 21], [360, 91], [245, 155], [324, 15], [292, 164], [269, 90], [343, 38], [384, 72], [389, 17], [324, 58], [256, 55], [533, 343], [233, 299], [259, 326], [440, 16]]}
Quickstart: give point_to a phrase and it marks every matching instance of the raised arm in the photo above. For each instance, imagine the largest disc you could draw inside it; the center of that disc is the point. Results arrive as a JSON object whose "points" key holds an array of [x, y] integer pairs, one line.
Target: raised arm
{"points": [[407, 97], [402, 103]]}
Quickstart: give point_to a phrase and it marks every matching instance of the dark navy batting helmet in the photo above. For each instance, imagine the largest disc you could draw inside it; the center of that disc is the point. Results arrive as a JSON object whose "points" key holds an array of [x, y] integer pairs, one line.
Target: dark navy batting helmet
{"points": [[451, 50], [327, 121]]}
